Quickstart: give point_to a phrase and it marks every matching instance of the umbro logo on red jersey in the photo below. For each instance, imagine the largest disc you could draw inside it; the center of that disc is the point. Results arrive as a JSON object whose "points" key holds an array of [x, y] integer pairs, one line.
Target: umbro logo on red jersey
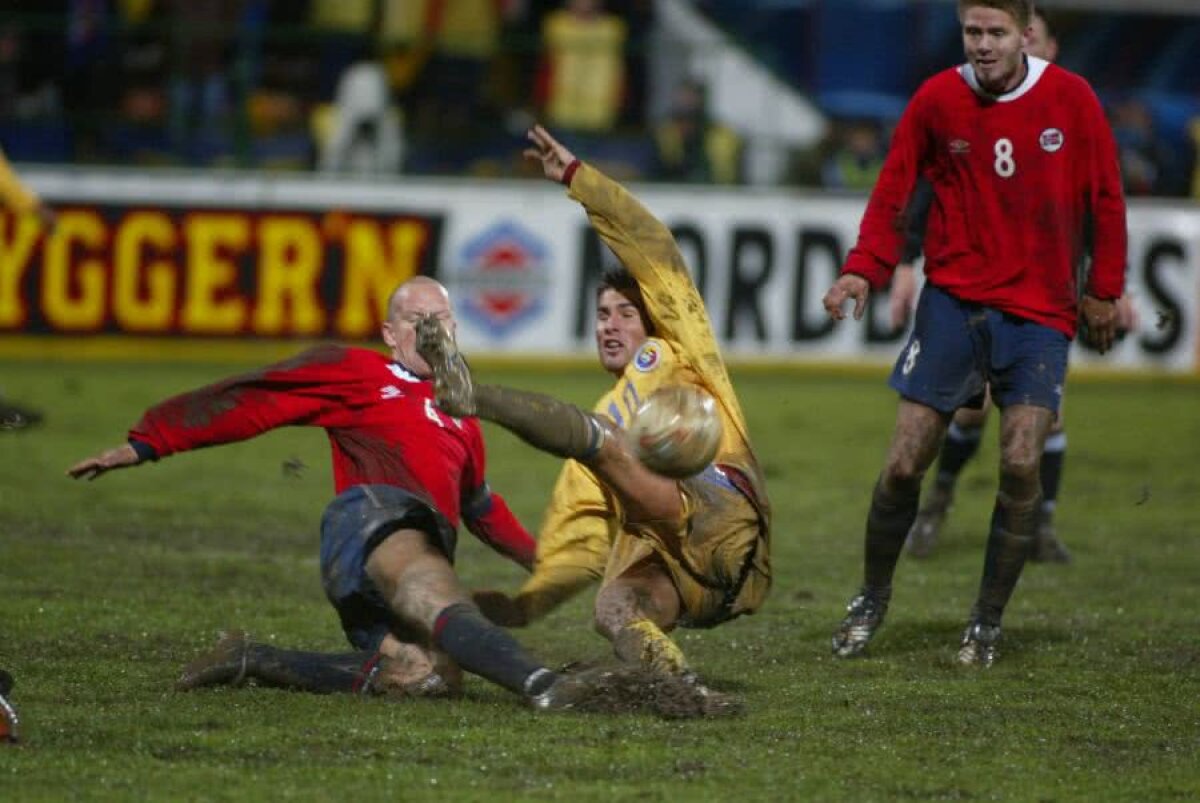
{"points": [[959, 147], [390, 392]]}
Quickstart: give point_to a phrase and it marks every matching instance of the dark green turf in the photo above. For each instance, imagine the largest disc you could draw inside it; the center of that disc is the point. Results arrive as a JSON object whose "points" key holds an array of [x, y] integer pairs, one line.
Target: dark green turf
{"points": [[107, 588]]}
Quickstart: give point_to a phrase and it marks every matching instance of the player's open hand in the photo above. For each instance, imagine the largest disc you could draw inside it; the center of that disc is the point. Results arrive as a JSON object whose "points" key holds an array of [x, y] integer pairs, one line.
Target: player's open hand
{"points": [[1100, 321], [848, 285], [121, 456], [1127, 315], [903, 295], [555, 158]]}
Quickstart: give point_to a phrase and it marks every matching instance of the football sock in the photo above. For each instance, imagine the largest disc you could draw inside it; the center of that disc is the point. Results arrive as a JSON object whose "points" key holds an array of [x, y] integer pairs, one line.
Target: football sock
{"points": [[1009, 544], [543, 422], [478, 646], [319, 672], [888, 523], [1053, 456], [960, 446], [643, 642]]}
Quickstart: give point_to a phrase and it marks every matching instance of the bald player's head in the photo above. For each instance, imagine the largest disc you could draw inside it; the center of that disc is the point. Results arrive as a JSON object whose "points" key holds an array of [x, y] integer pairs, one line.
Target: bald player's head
{"points": [[415, 298]]}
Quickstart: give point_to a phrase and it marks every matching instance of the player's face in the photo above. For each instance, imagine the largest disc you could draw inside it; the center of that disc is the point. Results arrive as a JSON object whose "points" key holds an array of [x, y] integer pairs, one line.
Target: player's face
{"points": [[993, 40], [400, 330], [1039, 42], [619, 331]]}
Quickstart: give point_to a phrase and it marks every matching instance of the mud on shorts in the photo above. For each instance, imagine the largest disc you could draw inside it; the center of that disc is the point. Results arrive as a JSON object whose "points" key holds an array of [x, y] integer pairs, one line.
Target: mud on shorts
{"points": [[958, 347], [354, 523], [716, 554]]}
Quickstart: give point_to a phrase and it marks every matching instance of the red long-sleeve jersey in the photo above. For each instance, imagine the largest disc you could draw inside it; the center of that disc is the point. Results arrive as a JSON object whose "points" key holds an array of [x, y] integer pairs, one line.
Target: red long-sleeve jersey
{"points": [[1021, 184], [382, 425]]}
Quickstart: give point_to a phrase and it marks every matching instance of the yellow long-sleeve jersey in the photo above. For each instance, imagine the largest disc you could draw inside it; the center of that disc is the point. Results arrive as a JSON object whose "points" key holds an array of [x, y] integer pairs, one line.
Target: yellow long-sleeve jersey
{"points": [[13, 194], [581, 521]]}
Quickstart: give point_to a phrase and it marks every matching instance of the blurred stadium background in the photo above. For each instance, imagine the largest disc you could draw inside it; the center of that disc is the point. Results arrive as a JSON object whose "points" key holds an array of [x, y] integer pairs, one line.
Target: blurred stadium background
{"points": [[337, 146]]}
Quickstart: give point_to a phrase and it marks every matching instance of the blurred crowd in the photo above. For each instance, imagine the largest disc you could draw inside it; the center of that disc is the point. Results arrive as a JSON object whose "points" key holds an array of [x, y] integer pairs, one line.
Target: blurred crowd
{"points": [[418, 87]]}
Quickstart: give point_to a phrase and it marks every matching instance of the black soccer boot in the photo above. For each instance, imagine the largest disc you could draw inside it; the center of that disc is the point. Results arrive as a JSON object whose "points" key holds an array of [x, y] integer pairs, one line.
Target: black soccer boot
{"points": [[452, 386]]}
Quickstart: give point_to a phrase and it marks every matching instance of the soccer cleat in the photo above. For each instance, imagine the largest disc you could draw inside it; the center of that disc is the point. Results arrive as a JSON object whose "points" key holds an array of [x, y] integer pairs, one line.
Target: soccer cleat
{"points": [[9, 721], [15, 417], [923, 535], [864, 615], [978, 646], [643, 642], [570, 691], [452, 385], [223, 665], [1046, 546]]}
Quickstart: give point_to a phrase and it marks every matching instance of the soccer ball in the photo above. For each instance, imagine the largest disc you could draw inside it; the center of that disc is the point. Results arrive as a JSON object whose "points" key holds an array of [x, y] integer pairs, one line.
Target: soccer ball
{"points": [[677, 431]]}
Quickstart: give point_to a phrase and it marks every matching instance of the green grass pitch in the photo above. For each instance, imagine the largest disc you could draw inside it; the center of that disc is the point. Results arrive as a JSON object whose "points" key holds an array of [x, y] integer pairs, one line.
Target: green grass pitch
{"points": [[107, 588]]}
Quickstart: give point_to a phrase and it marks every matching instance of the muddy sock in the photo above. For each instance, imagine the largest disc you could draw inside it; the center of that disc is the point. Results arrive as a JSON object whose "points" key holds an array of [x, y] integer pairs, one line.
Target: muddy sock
{"points": [[888, 523], [319, 672], [543, 422], [1008, 547], [478, 646], [643, 642]]}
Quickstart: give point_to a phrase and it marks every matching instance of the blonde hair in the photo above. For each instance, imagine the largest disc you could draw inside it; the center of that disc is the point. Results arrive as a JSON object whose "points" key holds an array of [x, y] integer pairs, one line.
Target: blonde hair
{"points": [[1020, 10]]}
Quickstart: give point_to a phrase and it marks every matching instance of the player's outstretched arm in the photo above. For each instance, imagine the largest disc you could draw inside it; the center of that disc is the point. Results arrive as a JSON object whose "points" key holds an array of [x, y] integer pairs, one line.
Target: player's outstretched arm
{"points": [[122, 456], [848, 285]]}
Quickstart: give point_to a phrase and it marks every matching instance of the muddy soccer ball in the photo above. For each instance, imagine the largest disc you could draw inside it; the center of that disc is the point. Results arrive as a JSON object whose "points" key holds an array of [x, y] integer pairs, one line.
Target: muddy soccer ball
{"points": [[677, 431]]}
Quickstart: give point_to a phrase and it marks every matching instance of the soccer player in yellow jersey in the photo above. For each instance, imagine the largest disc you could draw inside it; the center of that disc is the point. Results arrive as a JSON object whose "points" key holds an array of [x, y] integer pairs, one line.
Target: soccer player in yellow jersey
{"points": [[691, 552], [19, 199]]}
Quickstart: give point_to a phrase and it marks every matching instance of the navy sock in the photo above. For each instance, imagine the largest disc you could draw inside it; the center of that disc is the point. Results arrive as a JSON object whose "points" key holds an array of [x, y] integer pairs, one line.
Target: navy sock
{"points": [[888, 524], [1009, 544], [481, 647], [319, 672], [960, 446], [1053, 456]]}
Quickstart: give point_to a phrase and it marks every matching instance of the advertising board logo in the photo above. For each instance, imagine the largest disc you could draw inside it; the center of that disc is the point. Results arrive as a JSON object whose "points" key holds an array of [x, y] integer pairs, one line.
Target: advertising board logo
{"points": [[501, 278]]}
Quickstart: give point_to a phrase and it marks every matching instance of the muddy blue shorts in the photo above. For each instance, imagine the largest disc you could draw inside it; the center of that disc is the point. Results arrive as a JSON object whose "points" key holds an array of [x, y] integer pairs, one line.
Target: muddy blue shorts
{"points": [[957, 348], [353, 524]]}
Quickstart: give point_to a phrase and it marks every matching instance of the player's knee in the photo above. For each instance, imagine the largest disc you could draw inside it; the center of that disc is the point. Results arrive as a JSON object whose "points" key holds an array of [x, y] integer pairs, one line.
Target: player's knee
{"points": [[1019, 463], [903, 473]]}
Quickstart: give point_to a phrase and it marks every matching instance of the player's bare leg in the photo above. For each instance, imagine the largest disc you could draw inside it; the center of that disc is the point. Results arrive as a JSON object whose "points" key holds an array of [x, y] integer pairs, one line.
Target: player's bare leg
{"points": [[1023, 431], [918, 432], [635, 610]]}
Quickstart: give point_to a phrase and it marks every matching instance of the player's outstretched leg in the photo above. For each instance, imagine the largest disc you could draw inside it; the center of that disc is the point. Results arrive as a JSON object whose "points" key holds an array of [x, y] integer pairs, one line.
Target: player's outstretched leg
{"points": [[235, 659], [9, 722], [541, 421]]}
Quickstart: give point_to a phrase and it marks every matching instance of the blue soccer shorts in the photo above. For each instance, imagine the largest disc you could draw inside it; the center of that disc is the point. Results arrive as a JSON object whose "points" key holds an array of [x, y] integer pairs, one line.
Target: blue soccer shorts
{"points": [[354, 523], [958, 348]]}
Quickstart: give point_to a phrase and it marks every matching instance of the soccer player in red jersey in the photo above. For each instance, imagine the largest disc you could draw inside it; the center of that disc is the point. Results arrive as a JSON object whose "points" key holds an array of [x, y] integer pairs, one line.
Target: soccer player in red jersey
{"points": [[406, 474], [1024, 173], [966, 429]]}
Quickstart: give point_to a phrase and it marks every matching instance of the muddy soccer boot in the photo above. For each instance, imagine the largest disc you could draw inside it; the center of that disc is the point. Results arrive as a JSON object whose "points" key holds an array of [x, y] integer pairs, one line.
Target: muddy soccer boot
{"points": [[978, 647], [864, 615], [452, 384]]}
